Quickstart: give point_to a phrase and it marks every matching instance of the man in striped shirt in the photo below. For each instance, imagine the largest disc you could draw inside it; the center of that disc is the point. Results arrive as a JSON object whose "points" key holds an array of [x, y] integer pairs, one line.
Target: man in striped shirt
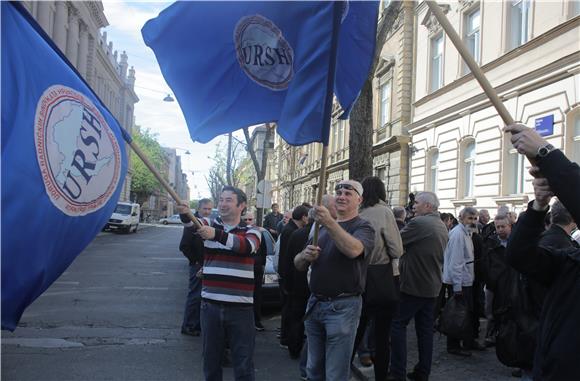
{"points": [[228, 286]]}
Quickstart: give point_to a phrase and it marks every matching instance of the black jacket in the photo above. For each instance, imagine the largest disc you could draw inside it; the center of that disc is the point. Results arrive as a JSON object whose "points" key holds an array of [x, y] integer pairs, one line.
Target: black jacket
{"points": [[191, 246], [284, 262], [557, 354], [298, 280], [556, 237]]}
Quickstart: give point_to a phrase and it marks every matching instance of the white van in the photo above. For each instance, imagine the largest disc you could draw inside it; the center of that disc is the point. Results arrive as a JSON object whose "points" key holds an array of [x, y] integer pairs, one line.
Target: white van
{"points": [[125, 217]]}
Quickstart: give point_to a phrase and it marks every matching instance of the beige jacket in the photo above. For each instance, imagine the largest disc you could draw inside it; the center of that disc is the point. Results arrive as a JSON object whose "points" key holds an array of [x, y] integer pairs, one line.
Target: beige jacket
{"points": [[386, 232]]}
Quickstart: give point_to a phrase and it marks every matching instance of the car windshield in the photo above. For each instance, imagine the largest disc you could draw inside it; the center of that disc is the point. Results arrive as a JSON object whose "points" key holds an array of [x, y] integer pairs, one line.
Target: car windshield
{"points": [[123, 209]]}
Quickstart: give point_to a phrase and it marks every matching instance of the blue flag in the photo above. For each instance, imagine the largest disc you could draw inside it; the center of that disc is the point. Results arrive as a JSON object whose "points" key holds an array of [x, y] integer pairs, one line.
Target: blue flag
{"points": [[236, 64], [355, 53], [63, 163]]}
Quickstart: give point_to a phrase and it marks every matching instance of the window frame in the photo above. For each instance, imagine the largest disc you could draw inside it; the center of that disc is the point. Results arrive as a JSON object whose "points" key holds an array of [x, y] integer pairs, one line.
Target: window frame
{"points": [[441, 57], [467, 36]]}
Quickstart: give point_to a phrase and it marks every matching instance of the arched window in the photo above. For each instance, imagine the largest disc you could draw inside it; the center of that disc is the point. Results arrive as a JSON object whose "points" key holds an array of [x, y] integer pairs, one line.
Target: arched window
{"points": [[468, 169], [432, 170]]}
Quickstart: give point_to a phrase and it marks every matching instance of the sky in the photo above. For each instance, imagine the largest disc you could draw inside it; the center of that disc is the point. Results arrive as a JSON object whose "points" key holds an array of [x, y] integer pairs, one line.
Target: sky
{"points": [[126, 18]]}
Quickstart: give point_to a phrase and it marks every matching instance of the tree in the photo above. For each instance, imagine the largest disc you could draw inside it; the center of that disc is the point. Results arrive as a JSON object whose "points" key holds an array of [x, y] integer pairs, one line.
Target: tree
{"points": [[361, 117], [223, 171], [143, 183]]}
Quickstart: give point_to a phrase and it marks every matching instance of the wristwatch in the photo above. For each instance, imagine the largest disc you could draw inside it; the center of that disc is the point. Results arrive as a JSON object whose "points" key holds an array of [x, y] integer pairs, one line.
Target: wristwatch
{"points": [[544, 151]]}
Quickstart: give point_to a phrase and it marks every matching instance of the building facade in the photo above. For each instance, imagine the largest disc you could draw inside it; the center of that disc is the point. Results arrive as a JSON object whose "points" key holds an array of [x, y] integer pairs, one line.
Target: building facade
{"points": [[434, 128], [529, 51], [75, 27]]}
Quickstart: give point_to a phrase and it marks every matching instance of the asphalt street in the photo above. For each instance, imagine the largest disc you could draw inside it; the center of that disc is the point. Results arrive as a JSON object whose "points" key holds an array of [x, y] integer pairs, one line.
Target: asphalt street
{"points": [[116, 313]]}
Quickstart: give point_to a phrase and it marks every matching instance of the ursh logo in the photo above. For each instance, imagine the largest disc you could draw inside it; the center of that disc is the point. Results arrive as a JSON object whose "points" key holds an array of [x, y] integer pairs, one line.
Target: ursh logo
{"points": [[263, 53], [78, 154]]}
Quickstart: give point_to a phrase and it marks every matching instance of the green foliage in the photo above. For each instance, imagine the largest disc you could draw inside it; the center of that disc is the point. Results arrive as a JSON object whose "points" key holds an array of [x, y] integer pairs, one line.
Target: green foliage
{"points": [[143, 183]]}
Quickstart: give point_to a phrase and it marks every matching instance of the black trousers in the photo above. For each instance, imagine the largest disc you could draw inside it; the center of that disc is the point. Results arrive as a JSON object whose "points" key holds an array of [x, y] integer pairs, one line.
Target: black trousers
{"points": [[258, 279], [295, 325], [383, 317]]}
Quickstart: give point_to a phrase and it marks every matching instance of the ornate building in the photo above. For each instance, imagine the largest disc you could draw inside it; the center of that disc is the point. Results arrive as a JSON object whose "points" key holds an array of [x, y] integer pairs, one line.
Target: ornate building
{"points": [[529, 52], [75, 29]]}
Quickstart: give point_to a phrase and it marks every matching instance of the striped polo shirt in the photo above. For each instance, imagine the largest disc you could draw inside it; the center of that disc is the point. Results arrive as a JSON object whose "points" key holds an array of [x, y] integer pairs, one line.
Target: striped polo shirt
{"points": [[228, 266]]}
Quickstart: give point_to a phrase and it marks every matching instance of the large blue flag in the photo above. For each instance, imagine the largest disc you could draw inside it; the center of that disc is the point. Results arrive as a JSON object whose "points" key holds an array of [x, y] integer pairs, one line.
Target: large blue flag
{"points": [[63, 163], [355, 51], [236, 64]]}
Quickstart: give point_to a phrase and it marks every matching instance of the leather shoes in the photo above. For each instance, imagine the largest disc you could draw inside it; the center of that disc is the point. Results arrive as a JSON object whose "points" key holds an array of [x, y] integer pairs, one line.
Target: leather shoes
{"points": [[190, 332], [459, 352], [417, 376]]}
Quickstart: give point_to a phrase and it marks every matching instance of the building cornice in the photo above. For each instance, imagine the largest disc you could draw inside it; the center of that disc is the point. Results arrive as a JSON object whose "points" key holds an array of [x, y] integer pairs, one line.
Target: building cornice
{"points": [[529, 46], [553, 72]]}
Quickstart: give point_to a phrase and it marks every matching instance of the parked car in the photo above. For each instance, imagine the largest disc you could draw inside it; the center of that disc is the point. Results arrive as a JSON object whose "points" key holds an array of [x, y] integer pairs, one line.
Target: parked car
{"points": [[125, 218], [170, 220]]}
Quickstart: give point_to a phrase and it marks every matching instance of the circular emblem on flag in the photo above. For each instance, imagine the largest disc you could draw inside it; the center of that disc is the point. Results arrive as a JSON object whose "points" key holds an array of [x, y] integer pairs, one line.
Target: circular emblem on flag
{"points": [[263, 53], [78, 153]]}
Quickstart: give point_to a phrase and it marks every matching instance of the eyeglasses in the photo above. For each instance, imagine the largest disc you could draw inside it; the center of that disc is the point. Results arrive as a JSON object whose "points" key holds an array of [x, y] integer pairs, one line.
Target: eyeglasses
{"points": [[247, 219], [345, 186]]}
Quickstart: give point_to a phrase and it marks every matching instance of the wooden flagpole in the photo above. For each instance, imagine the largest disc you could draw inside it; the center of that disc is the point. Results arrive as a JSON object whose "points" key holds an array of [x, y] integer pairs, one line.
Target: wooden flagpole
{"points": [[321, 189], [161, 180]]}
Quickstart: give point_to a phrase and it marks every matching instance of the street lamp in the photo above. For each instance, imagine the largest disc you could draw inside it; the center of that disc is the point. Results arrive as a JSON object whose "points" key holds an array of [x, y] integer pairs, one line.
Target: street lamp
{"points": [[168, 98]]}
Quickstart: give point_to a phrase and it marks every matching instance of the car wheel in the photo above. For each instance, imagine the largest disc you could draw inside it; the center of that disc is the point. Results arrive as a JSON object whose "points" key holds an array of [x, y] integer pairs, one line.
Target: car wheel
{"points": [[165, 222], [136, 227], [128, 229]]}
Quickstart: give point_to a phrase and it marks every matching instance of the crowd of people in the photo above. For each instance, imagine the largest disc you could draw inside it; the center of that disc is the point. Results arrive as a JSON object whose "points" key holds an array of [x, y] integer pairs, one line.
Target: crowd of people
{"points": [[353, 273]]}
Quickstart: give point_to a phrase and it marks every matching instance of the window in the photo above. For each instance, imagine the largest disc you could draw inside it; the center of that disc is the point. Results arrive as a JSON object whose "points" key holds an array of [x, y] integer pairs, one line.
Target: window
{"points": [[518, 22], [472, 36], [468, 169], [340, 143], [385, 103], [436, 62], [515, 173], [381, 172], [433, 167]]}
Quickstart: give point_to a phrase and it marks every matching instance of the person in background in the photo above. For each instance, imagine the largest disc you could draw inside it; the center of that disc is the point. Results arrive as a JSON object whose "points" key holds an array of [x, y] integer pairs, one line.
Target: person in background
{"points": [[459, 274], [400, 214], [271, 220], [298, 220], [259, 266], [388, 247], [285, 218], [447, 219], [483, 219], [191, 246], [424, 240]]}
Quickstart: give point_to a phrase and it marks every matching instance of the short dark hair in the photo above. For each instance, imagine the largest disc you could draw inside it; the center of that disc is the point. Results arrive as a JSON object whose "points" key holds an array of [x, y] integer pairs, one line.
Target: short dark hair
{"points": [[373, 191], [299, 212], [204, 201], [307, 204], [561, 215], [238, 192]]}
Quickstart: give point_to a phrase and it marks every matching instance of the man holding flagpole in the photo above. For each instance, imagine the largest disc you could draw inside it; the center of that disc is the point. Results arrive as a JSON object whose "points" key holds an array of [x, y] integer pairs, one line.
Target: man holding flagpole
{"points": [[337, 281]]}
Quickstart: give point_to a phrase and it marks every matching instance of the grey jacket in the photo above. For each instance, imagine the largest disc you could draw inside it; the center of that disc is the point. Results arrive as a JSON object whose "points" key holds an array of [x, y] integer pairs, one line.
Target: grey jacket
{"points": [[458, 259], [424, 240], [386, 231]]}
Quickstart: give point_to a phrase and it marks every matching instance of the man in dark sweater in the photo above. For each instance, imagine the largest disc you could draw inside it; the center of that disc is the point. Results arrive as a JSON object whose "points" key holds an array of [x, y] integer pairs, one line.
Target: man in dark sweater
{"points": [[298, 220], [556, 356], [192, 247]]}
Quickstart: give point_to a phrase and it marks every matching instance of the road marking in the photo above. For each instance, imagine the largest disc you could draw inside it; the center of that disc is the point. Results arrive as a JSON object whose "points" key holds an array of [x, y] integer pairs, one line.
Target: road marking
{"points": [[145, 288], [42, 343], [67, 282], [169, 258]]}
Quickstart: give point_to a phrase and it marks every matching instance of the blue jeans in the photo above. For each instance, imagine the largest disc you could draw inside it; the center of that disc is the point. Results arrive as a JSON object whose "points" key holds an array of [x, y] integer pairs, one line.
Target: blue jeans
{"points": [[191, 315], [421, 309], [330, 330], [221, 322]]}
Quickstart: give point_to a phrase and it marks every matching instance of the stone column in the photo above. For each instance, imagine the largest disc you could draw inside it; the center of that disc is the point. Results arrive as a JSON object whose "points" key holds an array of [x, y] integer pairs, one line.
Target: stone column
{"points": [[72, 45], [83, 54], [44, 15], [60, 22]]}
